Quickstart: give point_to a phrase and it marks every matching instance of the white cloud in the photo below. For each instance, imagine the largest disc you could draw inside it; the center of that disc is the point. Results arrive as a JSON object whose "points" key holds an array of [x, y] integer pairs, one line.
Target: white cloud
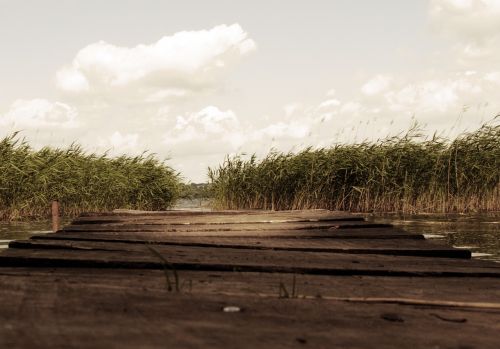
{"points": [[39, 114], [71, 80], [351, 107], [329, 103], [206, 131], [473, 24], [160, 95], [448, 103], [330, 93], [493, 77], [473, 19], [209, 120], [376, 85], [291, 108], [200, 139], [281, 131], [120, 143], [171, 67], [437, 95]]}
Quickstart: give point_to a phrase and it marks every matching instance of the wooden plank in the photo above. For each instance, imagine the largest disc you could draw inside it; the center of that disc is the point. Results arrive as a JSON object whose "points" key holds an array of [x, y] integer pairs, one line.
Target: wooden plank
{"points": [[432, 289], [194, 213], [400, 247], [360, 233], [62, 253], [218, 219], [248, 215], [169, 226], [62, 311]]}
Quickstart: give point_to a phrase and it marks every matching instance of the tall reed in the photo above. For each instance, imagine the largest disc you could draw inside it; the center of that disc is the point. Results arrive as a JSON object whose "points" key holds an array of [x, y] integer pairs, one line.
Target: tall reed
{"points": [[30, 180], [406, 174]]}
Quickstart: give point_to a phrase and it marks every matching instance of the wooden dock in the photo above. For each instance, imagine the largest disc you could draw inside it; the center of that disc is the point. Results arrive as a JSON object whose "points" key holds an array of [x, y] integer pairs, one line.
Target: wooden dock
{"points": [[243, 279]]}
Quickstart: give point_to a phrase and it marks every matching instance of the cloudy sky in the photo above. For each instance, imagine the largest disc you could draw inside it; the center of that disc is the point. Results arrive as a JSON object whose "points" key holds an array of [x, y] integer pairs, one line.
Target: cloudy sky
{"points": [[195, 80]]}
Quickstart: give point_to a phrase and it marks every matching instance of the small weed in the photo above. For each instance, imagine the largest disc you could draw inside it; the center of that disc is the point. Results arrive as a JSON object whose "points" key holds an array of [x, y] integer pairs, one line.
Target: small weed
{"points": [[283, 291], [167, 267]]}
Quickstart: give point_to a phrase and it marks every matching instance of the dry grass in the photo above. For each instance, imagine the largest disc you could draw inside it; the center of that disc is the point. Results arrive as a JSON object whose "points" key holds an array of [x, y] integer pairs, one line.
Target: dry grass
{"points": [[30, 180], [405, 174]]}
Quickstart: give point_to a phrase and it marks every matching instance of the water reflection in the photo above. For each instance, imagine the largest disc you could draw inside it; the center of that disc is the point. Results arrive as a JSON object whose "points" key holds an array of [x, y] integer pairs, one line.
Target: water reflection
{"points": [[22, 230], [479, 233]]}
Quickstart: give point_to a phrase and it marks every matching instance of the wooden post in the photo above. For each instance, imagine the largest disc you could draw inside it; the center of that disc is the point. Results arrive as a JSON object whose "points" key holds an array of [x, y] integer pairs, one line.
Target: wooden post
{"points": [[55, 215]]}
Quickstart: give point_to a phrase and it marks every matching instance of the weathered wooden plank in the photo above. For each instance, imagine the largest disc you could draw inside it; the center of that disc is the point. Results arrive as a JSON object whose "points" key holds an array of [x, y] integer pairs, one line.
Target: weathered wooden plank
{"points": [[122, 255], [432, 289], [193, 213], [409, 247], [226, 227], [221, 216], [124, 213], [373, 233], [218, 219], [61, 311], [360, 233]]}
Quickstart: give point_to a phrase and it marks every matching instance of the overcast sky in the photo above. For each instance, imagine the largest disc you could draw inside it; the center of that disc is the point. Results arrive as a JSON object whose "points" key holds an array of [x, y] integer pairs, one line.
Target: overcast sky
{"points": [[196, 80]]}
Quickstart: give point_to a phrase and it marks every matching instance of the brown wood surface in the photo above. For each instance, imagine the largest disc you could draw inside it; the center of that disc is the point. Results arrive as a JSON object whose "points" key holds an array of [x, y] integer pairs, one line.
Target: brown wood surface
{"points": [[457, 289], [61, 253], [212, 218], [319, 279], [239, 226], [195, 213], [359, 233], [409, 247], [92, 309]]}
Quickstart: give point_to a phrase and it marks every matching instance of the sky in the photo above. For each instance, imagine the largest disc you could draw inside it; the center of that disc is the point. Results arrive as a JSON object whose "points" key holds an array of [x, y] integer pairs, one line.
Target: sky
{"points": [[196, 81]]}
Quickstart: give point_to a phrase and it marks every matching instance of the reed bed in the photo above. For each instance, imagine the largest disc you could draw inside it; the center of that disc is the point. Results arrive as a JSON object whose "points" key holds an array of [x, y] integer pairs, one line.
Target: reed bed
{"points": [[30, 180], [406, 173]]}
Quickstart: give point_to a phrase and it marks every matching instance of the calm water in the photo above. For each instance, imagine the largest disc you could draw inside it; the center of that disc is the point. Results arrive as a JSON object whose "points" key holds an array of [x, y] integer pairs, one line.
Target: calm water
{"points": [[22, 230], [479, 233]]}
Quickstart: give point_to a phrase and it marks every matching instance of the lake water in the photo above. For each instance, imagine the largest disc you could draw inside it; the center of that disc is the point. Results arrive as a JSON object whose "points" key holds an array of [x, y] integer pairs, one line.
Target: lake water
{"points": [[478, 233], [22, 230]]}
